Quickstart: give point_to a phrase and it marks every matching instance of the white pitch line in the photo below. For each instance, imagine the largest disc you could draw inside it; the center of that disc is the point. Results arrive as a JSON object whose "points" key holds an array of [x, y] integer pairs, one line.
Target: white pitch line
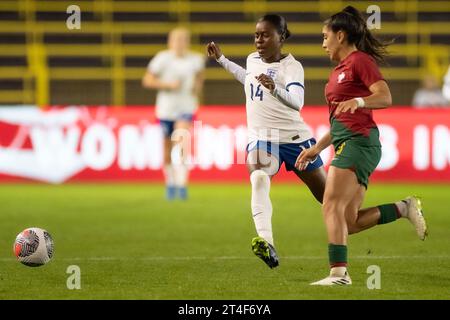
{"points": [[187, 258]]}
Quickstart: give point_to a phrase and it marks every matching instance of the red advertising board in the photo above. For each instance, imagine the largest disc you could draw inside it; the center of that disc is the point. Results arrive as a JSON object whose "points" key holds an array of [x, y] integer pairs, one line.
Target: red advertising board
{"points": [[124, 144]]}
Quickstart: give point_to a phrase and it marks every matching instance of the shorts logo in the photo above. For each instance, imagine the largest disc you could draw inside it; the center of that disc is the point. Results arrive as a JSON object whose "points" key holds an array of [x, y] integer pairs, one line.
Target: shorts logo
{"points": [[341, 77], [252, 145], [340, 148]]}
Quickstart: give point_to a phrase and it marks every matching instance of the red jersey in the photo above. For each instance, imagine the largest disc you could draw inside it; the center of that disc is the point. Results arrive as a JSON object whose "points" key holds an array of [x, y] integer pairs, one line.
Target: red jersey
{"points": [[351, 79]]}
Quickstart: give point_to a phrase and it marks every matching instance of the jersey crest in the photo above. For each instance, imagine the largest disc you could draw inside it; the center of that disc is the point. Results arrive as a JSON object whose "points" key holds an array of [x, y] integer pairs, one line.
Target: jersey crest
{"points": [[272, 73]]}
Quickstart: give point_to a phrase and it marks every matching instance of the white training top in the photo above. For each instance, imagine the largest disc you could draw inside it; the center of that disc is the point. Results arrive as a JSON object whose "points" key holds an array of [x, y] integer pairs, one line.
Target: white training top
{"points": [[168, 67], [446, 86], [272, 116]]}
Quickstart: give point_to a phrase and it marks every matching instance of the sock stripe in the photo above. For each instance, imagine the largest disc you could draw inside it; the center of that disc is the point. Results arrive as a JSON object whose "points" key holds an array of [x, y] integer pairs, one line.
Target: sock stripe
{"points": [[337, 255], [338, 264]]}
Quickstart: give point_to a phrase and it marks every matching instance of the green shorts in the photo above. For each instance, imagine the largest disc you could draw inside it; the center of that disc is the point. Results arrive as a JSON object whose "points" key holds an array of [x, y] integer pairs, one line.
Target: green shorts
{"points": [[359, 157]]}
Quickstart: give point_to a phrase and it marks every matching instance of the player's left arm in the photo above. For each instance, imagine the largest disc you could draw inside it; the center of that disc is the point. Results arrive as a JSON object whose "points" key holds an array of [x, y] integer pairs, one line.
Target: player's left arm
{"points": [[199, 77], [366, 71], [379, 99], [198, 83]]}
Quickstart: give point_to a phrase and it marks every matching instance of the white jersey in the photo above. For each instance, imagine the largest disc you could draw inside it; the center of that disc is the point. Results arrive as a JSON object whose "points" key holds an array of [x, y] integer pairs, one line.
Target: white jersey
{"points": [[168, 67], [268, 118]]}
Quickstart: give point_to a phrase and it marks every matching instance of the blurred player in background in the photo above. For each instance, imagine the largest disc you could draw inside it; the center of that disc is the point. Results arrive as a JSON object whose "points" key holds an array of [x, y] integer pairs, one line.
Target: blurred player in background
{"points": [[446, 86], [274, 89], [429, 95], [177, 74], [354, 88]]}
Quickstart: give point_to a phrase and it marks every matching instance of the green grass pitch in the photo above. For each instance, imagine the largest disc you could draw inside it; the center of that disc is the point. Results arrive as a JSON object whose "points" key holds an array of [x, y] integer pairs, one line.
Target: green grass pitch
{"points": [[132, 244]]}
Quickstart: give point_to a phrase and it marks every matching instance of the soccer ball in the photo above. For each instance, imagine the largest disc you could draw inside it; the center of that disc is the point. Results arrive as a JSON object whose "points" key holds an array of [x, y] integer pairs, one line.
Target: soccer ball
{"points": [[33, 247]]}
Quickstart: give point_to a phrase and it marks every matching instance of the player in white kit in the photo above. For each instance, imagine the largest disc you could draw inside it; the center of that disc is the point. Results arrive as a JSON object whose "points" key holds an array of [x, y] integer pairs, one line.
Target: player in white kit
{"points": [[274, 89], [177, 74]]}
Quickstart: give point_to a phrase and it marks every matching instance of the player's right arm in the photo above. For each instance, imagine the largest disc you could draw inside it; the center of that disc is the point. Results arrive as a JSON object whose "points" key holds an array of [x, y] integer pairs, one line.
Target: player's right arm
{"points": [[152, 77], [308, 155], [236, 70], [151, 81]]}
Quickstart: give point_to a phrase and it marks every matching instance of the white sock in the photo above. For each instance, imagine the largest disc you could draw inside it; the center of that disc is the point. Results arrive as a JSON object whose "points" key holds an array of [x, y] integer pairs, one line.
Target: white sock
{"points": [[261, 204], [181, 174], [338, 271], [402, 208], [169, 174]]}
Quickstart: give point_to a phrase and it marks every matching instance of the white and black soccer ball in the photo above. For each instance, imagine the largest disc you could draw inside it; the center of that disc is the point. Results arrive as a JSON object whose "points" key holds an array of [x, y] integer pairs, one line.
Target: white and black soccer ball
{"points": [[33, 247]]}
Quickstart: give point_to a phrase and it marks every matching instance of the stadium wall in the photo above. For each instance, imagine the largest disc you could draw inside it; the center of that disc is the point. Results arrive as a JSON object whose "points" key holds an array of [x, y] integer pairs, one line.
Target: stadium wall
{"points": [[108, 144], [216, 92]]}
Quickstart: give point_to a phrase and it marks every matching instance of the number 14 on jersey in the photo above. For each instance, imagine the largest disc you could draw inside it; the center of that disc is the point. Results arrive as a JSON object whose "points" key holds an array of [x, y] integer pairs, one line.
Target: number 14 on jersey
{"points": [[258, 93]]}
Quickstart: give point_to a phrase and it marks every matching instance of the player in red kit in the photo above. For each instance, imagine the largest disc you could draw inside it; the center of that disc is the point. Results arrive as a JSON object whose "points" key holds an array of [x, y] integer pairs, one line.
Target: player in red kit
{"points": [[354, 88]]}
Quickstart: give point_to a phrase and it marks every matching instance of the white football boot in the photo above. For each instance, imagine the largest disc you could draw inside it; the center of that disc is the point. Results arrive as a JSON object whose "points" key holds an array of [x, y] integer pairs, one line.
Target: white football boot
{"points": [[415, 216], [335, 278]]}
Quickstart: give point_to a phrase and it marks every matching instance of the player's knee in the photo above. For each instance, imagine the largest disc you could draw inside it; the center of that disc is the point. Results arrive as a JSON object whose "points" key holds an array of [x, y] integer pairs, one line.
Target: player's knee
{"points": [[328, 206], [353, 226], [332, 208], [259, 179]]}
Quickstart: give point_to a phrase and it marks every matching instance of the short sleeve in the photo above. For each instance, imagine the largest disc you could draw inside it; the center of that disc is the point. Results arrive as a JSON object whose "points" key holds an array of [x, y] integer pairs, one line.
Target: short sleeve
{"points": [[365, 69], [295, 76], [156, 65]]}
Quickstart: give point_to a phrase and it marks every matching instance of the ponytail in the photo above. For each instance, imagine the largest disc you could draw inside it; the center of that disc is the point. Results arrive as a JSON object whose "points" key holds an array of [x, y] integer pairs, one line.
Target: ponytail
{"points": [[352, 22]]}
